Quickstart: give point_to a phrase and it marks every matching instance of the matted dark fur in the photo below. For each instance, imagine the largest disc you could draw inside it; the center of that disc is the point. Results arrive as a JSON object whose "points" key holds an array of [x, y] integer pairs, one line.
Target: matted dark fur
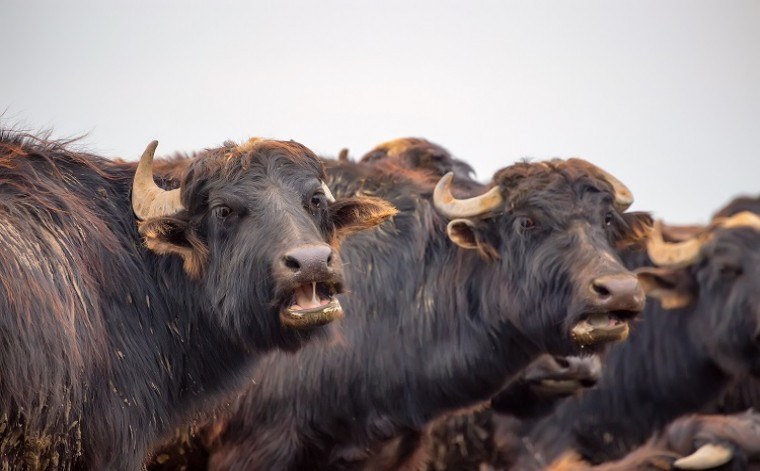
{"points": [[439, 327], [105, 345], [692, 359]]}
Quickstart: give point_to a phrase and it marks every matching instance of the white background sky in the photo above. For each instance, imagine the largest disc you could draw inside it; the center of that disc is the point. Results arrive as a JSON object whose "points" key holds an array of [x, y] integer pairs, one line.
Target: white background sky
{"points": [[663, 94]]}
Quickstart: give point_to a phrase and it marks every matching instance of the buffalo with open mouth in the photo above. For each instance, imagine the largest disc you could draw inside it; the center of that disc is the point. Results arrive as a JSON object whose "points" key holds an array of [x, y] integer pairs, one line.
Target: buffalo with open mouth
{"points": [[129, 306]]}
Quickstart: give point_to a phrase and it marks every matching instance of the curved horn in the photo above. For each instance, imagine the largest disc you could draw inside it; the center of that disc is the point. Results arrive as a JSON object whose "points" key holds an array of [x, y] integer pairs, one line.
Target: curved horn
{"points": [[742, 219], [148, 199], [623, 196], [328, 193], [686, 252], [708, 456], [452, 208], [673, 254]]}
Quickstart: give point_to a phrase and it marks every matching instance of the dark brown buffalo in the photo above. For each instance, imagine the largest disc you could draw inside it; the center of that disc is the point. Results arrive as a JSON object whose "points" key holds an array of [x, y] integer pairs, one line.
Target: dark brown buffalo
{"points": [[678, 378], [457, 440], [697, 345], [126, 309]]}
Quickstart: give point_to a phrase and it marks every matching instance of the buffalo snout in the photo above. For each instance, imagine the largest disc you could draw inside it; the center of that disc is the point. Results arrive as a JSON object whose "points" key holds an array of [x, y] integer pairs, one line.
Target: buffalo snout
{"points": [[309, 261], [618, 292], [309, 278]]}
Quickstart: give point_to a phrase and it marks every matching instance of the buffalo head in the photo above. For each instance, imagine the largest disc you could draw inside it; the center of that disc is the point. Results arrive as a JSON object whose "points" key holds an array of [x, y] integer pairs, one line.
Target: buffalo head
{"points": [[715, 276], [257, 230], [554, 229]]}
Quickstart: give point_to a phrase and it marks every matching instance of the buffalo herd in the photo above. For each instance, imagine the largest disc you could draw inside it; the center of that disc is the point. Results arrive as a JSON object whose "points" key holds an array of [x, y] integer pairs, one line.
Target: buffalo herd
{"points": [[255, 306]]}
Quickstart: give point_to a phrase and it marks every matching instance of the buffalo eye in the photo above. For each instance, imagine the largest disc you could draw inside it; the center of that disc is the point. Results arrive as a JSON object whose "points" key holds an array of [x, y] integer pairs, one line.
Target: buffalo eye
{"points": [[527, 223], [729, 270], [319, 200], [221, 212], [608, 219]]}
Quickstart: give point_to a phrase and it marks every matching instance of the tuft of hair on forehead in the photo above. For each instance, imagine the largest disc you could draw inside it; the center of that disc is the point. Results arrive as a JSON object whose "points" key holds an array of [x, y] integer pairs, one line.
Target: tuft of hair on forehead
{"points": [[241, 155], [233, 160], [528, 176], [236, 150]]}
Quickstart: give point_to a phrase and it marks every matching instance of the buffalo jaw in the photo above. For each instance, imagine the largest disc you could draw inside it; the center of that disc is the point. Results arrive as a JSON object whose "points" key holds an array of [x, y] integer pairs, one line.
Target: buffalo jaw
{"points": [[311, 304], [599, 328], [315, 317]]}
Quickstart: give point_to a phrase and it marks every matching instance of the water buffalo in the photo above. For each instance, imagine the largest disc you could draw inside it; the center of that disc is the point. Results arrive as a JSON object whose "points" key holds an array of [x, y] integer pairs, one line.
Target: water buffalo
{"points": [[698, 340], [454, 297], [114, 331]]}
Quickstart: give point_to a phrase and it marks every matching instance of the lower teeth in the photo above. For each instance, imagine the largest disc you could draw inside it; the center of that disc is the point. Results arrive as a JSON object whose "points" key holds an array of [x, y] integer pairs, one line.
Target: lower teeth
{"points": [[598, 320]]}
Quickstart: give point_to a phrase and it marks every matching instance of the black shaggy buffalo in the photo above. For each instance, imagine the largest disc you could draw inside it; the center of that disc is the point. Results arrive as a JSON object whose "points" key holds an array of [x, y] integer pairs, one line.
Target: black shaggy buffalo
{"points": [[699, 341], [113, 332], [453, 297]]}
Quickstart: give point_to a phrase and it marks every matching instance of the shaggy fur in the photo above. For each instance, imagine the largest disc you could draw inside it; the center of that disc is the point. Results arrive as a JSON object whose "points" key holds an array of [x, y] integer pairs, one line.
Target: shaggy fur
{"points": [[437, 328], [105, 345], [421, 155], [677, 361]]}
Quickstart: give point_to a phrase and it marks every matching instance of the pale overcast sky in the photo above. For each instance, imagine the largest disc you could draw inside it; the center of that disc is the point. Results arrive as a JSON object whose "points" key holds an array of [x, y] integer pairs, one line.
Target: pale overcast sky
{"points": [[663, 94]]}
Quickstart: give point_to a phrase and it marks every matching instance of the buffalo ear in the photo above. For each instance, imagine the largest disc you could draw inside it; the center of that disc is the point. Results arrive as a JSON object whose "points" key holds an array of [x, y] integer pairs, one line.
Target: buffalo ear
{"points": [[171, 235], [674, 288], [358, 213], [464, 233]]}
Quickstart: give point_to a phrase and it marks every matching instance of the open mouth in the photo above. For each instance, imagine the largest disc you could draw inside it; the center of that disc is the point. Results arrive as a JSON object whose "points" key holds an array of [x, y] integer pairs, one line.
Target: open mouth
{"points": [[311, 305], [602, 327]]}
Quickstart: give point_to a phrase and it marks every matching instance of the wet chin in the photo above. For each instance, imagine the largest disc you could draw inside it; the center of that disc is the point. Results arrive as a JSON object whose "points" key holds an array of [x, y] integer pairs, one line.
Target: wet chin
{"points": [[564, 344]]}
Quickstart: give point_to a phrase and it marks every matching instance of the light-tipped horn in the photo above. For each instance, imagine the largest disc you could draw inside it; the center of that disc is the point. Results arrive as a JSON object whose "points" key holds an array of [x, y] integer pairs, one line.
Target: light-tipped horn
{"points": [[148, 199], [686, 252], [673, 254], [453, 208], [328, 193], [708, 456], [742, 219], [623, 196]]}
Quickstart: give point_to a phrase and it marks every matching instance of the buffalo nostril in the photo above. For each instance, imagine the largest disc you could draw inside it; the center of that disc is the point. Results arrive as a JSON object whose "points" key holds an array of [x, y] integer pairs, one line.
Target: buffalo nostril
{"points": [[329, 259], [562, 362], [619, 292], [600, 289], [292, 263]]}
